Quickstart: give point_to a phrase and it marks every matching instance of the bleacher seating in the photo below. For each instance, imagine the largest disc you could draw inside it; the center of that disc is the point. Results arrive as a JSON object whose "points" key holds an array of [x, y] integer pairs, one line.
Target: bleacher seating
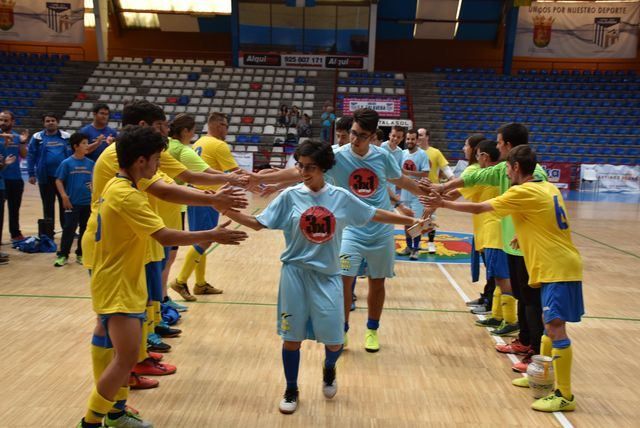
{"points": [[573, 116]]}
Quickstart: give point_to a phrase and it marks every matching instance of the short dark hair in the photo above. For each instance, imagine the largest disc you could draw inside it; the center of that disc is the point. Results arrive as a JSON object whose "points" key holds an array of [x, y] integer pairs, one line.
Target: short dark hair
{"points": [[319, 151], [180, 122], [399, 129], [411, 131], [100, 106], [524, 156], [379, 134], [344, 123], [515, 134], [136, 141], [473, 141], [216, 117], [141, 110], [10, 113], [367, 119], [76, 139], [51, 114], [489, 147]]}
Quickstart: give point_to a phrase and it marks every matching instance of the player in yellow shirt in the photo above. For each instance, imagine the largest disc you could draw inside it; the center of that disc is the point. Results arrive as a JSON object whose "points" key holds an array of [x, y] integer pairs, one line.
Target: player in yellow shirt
{"points": [[439, 166], [553, 262], [125, 224], [215, 152]]}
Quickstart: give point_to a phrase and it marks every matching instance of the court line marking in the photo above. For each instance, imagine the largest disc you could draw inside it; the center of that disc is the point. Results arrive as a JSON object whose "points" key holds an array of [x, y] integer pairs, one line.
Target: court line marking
{"points": [[562, 419], [607, 245]]}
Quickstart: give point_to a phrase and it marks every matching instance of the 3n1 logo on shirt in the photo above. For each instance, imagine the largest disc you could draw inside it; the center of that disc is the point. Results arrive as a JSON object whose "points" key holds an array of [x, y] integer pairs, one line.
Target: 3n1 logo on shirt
{"points": [[318, 224], [409, 165], [363, 182], [561, 215]]}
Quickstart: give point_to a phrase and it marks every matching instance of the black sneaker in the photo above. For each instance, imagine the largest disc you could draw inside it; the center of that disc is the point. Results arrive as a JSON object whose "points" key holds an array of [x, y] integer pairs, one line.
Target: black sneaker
{"points": [[329, 383], [478, 302], [489, 322], [289, 402], [165, 331], [506, 329], [155, 344]]}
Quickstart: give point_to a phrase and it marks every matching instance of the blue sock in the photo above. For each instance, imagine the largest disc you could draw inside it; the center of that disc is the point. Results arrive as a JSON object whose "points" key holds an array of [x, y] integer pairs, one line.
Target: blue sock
{"points": [[331, 357], [120, 404], [346, 327], [562, 344], [416, 242], [291, 362], [408, 240], [373, 324]]}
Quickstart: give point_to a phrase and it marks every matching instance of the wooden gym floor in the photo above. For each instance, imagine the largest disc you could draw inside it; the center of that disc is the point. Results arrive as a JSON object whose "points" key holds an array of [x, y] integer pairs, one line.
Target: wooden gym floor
{"points": [[435, 367]]}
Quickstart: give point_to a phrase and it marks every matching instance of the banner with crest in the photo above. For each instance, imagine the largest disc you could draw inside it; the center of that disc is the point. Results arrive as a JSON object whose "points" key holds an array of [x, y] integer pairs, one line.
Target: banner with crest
{"points": [[42, 21], [578, 30]]}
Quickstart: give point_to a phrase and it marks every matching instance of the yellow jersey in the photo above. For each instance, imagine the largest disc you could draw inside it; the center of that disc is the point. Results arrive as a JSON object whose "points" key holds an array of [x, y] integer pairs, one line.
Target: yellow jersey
{"points": [[216, 154], [105, 169], [437, 161], [487, 227], [542, 227], [125, 223]]}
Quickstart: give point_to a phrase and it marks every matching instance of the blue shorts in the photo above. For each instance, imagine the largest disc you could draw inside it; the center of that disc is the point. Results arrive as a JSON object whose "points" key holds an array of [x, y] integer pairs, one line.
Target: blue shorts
{"points": [[497, 263], [153, 272], [202, 218], [378, 254], [104, 320], [310, 306], [562, 300]]}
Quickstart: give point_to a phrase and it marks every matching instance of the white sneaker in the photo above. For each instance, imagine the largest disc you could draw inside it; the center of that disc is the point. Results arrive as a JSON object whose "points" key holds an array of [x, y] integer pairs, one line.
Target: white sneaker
{"points": [[431, 247], [329, 382], [414, 255], [289, 402], [128, 420]]}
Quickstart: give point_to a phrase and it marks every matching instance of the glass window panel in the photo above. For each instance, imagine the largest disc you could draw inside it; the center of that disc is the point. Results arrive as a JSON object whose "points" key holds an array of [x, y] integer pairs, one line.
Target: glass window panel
{"points": [[320, 29], [140, 20], [208, 6], [353, 29], [287, 25]]}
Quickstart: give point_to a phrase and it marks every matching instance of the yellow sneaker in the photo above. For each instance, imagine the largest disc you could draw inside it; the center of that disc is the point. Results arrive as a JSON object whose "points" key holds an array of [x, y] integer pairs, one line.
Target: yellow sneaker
{"points": [[554, 403], [183, 290], [371, 343], [206, 288], [522, 382]]}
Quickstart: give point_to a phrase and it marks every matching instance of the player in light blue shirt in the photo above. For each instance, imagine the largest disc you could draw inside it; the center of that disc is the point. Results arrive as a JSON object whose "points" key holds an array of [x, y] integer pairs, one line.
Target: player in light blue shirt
{"points": [[313, 215], [100, 135], [415, 164], [73, 180], [365, 170], [393, 143]]}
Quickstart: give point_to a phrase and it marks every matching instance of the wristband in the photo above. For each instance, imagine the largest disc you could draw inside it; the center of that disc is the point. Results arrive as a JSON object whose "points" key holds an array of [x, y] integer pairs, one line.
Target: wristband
{"points": [[397, 204]]}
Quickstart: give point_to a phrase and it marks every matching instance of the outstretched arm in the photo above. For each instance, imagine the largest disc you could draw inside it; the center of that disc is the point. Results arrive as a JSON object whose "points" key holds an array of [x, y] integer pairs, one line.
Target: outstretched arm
{"points": [[406, 183], [169, 237], [245, 220], [435, 201]]}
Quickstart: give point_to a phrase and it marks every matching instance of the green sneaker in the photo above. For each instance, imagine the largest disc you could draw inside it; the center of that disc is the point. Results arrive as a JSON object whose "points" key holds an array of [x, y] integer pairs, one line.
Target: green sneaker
{"points": [[406, 251], [489, 322], [554, 403], [506, 329], [60, 261], [522, 382], [371, 343], [128, 420], [79, 260]]}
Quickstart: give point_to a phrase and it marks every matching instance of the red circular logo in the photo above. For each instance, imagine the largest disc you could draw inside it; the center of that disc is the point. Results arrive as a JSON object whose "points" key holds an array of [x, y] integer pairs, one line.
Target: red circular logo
{"points": [[318, 224], [363, 182], [409, 165]]}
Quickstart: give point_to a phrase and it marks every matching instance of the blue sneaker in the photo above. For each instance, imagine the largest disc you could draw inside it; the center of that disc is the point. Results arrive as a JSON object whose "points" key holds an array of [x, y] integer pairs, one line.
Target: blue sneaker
{"points": [[178, 307]]}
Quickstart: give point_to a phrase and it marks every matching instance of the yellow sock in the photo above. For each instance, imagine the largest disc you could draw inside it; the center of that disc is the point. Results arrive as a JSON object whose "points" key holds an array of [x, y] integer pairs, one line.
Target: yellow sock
{"points": [[545, 345], [562, 367], [147, 328], [100, 359], [496, 308], [189, 265], [98, 407], [201, 269], [508, 303], [157, 314]]}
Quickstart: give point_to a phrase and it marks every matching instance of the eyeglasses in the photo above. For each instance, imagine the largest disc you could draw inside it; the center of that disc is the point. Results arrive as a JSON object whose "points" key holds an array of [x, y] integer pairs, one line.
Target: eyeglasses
{"points": [[360, 136], [478, 154], [311, 167]]}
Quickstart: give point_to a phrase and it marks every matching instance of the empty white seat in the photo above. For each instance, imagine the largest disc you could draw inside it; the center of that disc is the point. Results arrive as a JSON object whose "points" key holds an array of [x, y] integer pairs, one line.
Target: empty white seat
{"points": [[233, 129], [342, 89], [399, 91], [258, 120], [364, 90], [388, 91], [170, 108], [234, 85], [261, 112], [307, 105], [269, 130], [237, 147], [252, 148], [270, 121], [252, 103], [235, 120], [377, 90]]}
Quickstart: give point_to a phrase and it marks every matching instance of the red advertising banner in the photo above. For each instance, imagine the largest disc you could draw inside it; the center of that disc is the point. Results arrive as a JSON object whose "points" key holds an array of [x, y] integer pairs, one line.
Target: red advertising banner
{"points": [[559, 173], [386, 107]]}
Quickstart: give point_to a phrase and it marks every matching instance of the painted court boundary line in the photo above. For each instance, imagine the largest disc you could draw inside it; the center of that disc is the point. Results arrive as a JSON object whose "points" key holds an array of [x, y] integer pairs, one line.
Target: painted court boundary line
{"points": [[607, 245], [562, 419]]}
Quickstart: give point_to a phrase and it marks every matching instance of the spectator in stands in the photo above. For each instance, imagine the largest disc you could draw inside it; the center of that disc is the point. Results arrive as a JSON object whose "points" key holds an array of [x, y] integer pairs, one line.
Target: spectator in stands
{"points": [[47, 149], [100, 135], [283, 116], [5, 161], [15, 145], [327, 118], [294, 116], [343, 129], [379, 137], [304, 126]]}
